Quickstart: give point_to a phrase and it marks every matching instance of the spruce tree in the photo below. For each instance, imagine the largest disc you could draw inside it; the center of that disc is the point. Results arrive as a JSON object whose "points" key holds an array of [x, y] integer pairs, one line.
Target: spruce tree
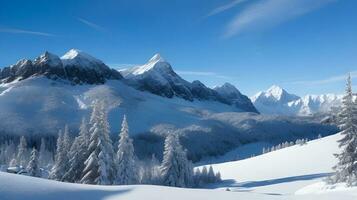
{"points": [[204, 174], [33, 168], [66, 139], [61, 158], [127, 171], [99, 166], [78, 154], [44, 154], [22, 153], [211, 175], [175, 169], [10, 154], [346, 168]]}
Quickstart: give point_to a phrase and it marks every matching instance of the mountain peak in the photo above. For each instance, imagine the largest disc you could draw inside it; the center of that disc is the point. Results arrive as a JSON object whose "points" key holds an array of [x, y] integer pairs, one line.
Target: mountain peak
{"points": [[76, 53], [48, 58], [274, 94], [275, 91], [156, 65], [228, 85], [157, 58], [227, 88], [80, 58], [71, 54]]}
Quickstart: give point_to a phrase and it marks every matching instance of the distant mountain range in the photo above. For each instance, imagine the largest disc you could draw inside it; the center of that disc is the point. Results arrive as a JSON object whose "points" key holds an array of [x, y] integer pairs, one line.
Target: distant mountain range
{"points": [[158, 77], [278, 101]]}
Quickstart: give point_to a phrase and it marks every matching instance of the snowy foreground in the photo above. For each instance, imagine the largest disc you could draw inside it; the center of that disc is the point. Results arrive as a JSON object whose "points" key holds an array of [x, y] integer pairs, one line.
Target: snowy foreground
{"points": [[291, 173]]}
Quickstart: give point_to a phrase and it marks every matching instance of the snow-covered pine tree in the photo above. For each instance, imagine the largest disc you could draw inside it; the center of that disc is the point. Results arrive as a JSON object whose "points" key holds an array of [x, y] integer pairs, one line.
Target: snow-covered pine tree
{"points": [[175, 169], [66, 139], [127, 171], [204, 174], [45, 158], [197, 178], [346, 168], [155, 170], [99, 166], [78, 155], [42, 154], [33, 168], [218, 177], [22, 152], [61, 159], [211, 175], [150, 171], [10, 153]]}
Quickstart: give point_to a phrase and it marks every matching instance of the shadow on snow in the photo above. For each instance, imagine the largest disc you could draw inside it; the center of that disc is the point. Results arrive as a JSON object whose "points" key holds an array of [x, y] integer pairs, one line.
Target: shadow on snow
{"points": [[246, 186]]}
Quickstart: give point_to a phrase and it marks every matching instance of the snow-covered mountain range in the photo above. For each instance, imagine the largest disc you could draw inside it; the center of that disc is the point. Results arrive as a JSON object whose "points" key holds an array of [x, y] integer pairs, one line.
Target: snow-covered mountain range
{"points": [[278, 101], [158, 77], [75, 66], [41, 96]]}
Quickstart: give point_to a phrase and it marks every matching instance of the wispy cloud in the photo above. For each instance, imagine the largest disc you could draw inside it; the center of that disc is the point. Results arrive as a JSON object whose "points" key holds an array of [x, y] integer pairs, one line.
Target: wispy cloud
{"points": [[268, 13], [22, 31], [91, 24], [332, 79], [225, 7], [203, 73]]}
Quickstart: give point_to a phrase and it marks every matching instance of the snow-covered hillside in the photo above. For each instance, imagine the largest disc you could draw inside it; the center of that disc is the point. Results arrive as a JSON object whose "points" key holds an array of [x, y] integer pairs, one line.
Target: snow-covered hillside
{"points": [[278, 101], [294, 173]]}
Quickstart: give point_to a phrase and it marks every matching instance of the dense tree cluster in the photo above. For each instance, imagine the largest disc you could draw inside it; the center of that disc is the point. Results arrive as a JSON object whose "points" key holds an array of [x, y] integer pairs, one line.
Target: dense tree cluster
{"points": [[90, 158]]}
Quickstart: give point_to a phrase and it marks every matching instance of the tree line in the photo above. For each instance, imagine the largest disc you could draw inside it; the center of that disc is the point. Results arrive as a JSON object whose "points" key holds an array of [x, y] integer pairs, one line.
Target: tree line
{"points": [[89, 158]]}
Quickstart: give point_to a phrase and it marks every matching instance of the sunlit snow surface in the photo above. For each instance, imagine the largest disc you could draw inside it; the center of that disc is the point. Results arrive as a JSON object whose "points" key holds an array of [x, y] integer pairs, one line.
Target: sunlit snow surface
{"points": [[288, 174]]}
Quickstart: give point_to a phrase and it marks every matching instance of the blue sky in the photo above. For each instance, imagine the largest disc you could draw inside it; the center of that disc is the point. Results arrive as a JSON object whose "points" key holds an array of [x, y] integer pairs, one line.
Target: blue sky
{"points": [[305, 46]]}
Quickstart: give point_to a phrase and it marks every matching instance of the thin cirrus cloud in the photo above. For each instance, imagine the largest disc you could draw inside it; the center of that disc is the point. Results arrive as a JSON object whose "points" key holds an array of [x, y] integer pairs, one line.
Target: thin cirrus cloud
{"points": [[262, 14], [332, 79], [90, 24], [203, 73], [22, 31], [225, 7]]}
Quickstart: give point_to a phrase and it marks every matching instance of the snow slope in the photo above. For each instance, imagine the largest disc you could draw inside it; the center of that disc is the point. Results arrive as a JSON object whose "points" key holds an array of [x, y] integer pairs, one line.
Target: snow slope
{"points": [[278, 101], [293, 173]]}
